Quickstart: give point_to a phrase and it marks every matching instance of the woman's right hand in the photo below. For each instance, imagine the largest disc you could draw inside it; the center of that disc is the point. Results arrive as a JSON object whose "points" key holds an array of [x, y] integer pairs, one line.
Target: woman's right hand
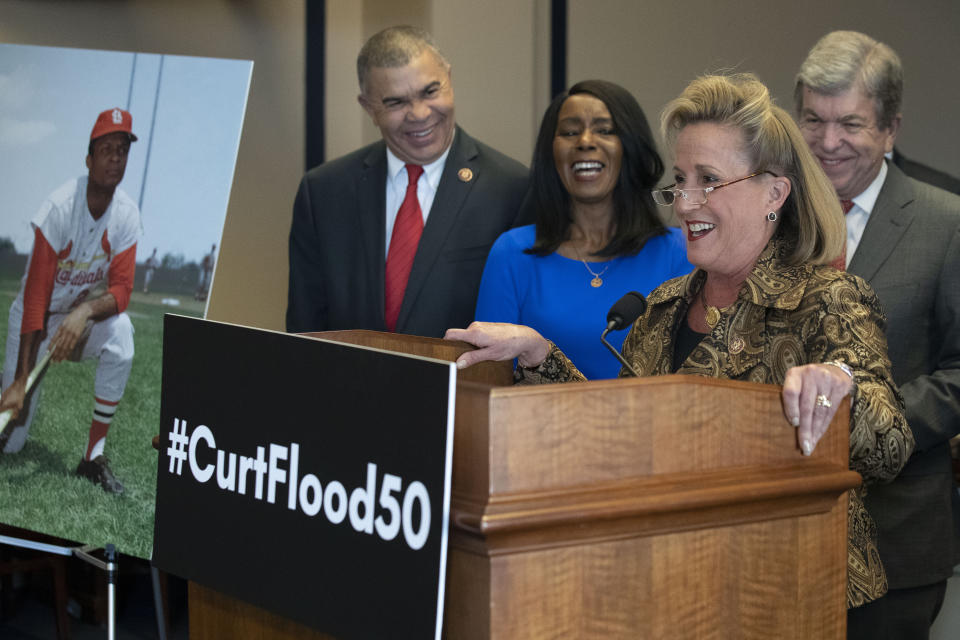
{"points": [[500, 341]]}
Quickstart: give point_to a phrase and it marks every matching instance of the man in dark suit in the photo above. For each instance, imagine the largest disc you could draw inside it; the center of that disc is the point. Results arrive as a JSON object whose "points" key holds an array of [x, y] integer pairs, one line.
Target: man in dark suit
{"points": [[394, 236], [903, 236]]}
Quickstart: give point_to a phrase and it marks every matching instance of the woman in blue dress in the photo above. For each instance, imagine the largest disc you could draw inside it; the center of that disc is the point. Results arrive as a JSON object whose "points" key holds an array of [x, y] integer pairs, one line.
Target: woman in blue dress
{"points": [[597, 233]]}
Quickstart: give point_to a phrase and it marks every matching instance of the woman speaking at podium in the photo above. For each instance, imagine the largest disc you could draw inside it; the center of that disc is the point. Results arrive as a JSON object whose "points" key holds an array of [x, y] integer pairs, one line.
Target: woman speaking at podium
{"points": [[761, 222]]}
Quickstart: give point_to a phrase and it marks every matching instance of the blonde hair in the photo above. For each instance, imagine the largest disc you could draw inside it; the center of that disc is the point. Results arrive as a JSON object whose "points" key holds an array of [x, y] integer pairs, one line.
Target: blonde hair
{"points": [[811, 217]]}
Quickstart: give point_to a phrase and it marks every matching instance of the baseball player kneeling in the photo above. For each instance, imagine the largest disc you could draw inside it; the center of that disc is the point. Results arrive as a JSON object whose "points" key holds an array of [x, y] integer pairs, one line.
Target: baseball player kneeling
{"points": [[72, 298]]}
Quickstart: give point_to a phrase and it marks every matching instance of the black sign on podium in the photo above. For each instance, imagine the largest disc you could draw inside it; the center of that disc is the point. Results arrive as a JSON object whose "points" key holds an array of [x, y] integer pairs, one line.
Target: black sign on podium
{"points": [[307, 477]]}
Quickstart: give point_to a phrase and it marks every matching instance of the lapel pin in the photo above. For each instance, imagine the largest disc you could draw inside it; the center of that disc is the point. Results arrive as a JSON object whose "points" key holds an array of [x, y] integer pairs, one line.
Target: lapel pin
{"points": [[737, 345], [465, 174]]}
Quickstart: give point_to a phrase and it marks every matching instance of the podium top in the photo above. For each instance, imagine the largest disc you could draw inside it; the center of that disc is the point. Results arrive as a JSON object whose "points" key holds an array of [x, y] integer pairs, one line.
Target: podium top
{"points": [[492, 373]]}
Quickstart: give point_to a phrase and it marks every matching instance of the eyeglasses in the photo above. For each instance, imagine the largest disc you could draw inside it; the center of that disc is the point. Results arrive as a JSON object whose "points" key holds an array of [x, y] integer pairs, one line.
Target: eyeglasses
{"points": [[668, 195]]}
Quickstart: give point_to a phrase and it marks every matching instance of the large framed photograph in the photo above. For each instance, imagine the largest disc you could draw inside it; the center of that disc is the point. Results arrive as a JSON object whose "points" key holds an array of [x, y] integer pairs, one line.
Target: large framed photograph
{"points": [[117, 174]]}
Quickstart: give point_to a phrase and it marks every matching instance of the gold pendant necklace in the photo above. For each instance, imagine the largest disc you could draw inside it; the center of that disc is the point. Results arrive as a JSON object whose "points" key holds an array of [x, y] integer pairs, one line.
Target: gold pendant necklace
{"points": [[711, 315], [597, 280]]}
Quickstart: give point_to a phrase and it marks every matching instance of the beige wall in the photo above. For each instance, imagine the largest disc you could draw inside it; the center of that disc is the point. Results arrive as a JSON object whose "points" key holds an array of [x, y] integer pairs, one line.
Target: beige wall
{"points": [[349, 24], [250, 281], [344, 123], [500, 55], [655, 48], [498, 51]]}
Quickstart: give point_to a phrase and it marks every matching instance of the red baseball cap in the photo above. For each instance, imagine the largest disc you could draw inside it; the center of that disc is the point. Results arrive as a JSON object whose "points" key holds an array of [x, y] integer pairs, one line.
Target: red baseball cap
{"points": [[111, 121]]}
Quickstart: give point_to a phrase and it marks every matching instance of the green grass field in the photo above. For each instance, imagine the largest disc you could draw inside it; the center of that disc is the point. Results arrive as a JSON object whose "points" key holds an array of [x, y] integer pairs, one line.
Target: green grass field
{"points": [[38, 490]]}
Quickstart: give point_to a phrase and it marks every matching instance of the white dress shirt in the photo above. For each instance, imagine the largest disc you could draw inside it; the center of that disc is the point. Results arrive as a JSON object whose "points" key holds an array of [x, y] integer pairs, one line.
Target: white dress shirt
{"points": [[859, 214], [397, 188]]}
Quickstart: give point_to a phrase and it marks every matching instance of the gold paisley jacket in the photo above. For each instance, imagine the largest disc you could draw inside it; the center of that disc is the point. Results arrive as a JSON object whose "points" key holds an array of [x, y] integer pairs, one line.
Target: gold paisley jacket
{"points": [[786, 316]]}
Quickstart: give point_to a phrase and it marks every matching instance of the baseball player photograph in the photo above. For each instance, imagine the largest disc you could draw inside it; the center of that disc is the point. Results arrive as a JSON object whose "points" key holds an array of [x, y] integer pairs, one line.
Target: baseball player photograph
{"points": [[73, 296], [144, 148]]}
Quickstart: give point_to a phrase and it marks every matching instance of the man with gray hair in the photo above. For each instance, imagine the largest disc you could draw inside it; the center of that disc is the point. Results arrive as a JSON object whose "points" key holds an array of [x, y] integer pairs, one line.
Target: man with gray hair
{"points": [[394, 236], [903, 237]]}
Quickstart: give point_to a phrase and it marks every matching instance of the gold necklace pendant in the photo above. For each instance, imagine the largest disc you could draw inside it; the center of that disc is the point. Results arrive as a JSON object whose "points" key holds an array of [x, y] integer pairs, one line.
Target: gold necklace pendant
{"points": [[711, 315], [597, 281]]}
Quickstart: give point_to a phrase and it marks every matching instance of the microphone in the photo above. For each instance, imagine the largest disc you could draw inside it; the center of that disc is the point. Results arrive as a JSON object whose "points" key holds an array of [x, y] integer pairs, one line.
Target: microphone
{"points": [[622, 314]]}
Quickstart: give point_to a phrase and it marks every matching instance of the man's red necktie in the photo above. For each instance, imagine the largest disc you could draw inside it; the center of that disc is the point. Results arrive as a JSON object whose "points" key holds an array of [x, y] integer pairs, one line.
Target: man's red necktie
{"points": [[841, 262], [403, 248]]}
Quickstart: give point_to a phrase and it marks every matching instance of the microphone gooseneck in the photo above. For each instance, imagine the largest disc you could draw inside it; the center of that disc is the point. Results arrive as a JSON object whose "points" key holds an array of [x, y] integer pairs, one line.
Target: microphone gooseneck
{"points": [[622, 314]]}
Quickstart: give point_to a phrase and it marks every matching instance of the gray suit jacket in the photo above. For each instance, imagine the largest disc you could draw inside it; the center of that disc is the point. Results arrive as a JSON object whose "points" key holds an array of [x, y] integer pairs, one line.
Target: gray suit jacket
{"points": [[910, 254], [338, 237]]}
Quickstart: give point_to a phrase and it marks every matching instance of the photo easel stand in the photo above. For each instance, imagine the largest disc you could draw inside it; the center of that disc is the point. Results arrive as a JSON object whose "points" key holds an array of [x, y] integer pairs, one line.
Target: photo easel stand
{"points": [[85, 553]]}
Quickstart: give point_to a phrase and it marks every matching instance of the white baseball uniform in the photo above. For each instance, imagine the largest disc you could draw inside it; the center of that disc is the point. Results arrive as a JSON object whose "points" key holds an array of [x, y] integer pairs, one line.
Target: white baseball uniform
{"points": [[92, 257]]}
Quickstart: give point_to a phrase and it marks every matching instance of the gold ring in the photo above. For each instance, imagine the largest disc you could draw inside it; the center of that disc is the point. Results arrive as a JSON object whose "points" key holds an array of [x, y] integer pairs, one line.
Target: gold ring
{"points": [[823, 401]]}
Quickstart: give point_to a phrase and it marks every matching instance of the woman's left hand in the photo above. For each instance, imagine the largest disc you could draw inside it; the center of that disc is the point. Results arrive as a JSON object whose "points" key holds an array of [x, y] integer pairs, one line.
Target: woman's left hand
{"points": [[811, 395], [500, 341]]}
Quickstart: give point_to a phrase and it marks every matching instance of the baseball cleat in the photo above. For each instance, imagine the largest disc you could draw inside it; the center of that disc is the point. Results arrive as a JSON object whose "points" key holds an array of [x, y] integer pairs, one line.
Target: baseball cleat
{"points": [[98, 472]]}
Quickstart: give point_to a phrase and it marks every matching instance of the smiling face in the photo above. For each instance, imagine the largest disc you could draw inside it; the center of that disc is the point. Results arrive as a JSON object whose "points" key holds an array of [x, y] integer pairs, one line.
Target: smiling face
{"points": [[842, 132], [586, 150], [412, 106], [726, 235], [108, 162]]}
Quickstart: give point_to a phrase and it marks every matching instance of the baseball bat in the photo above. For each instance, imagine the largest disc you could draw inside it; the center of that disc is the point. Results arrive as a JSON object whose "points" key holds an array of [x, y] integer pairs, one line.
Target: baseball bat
{"points": [[38, 368]]}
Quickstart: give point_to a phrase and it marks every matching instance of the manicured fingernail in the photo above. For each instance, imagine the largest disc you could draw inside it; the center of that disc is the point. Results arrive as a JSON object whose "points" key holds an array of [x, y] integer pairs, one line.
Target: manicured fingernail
{"points": [[461, 364], [807, 447], [795, 421]]}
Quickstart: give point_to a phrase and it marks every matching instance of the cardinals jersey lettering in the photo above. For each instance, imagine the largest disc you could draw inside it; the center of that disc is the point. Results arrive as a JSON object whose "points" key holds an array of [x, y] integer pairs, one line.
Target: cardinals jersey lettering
{"points": [[84, 246]]}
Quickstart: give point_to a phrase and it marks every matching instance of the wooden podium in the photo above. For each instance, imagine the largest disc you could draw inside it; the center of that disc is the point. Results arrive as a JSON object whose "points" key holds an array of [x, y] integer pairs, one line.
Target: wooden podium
{"points": [[666, 507]]}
